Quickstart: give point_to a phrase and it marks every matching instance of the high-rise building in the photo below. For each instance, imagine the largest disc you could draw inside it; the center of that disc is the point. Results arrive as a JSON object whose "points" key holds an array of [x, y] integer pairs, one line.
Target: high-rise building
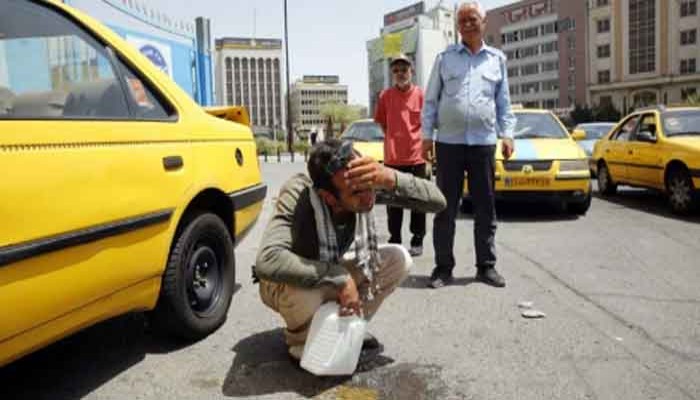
{"points": [[307, 97], [643, 52], [248, 72], [545, 43], [419, 34]]}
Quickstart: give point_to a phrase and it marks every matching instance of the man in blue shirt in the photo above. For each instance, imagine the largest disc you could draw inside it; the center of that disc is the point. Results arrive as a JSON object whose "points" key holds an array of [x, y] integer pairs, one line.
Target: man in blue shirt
{"points": [[468, 103]]}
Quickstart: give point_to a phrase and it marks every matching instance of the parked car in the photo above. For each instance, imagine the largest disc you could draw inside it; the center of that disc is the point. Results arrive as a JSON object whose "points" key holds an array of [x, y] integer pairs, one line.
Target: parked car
{"points": [[367, 137], [120, 193], [592, 131], [547, 165], [656, 148]]}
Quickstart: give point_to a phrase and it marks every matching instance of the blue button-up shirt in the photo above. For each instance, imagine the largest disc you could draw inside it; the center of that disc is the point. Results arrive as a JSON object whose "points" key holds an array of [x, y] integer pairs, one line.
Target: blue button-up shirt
{"points": [[467, 98]]}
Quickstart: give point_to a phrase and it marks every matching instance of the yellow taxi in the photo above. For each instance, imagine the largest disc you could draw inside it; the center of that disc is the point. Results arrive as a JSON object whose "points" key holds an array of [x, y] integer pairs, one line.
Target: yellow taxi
{"points": [[367, 137], [547, 164], [120, 193], [657, 148]]}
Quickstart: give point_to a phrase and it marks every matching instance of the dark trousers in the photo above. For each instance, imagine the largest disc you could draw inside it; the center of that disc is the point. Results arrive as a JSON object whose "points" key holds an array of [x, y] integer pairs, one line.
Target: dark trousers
{"points": [[479, 163], [395, 214]]}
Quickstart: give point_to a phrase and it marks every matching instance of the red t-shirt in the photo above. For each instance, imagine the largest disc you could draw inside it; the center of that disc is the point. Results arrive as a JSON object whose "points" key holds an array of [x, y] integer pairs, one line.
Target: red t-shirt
{"points": [[399, 115]]}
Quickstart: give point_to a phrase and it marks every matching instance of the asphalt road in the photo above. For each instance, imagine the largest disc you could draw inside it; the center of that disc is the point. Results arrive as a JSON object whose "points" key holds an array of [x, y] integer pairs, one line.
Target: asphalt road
{"points": [[620, 289]]}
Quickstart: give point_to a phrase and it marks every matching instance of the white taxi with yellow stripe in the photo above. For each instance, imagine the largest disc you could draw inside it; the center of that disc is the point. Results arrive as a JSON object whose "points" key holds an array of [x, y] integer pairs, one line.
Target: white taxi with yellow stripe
{"points": [[547, 164]]}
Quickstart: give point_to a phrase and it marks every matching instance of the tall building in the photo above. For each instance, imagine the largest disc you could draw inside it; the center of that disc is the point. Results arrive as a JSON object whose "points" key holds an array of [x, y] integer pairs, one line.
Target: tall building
{"points": [[248, 72], [545, 43], [412, 30], [643, 51], [307, 97]]}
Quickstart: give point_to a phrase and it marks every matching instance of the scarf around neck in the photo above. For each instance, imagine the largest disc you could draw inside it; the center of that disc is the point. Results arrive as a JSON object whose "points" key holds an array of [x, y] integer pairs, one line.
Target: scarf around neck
{"points": [[366, 253]]}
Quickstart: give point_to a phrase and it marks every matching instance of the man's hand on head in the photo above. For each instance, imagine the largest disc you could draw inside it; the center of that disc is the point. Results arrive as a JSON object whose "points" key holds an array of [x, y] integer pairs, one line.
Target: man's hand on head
{"points": [[366, 173]]}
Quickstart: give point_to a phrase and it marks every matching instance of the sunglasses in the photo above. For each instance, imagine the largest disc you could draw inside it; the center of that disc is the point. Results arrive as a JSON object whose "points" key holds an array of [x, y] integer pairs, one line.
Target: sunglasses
{"points": [[341, 158]]}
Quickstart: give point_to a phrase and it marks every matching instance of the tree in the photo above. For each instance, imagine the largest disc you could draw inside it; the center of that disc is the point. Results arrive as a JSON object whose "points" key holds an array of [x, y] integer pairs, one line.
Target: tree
{"points": [[693, 100], [336, 113], [581, 114], [606, 112]]}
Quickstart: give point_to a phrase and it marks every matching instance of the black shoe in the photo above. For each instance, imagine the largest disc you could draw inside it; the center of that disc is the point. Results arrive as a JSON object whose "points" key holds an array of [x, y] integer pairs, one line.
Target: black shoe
{"points": [[393, 240], [439, 281], [369, 342], [490, 276], [415, 251]]}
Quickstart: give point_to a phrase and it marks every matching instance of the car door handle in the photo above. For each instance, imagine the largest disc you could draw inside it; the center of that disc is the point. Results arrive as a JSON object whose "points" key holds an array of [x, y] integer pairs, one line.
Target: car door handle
{"points": [[171, 163]]}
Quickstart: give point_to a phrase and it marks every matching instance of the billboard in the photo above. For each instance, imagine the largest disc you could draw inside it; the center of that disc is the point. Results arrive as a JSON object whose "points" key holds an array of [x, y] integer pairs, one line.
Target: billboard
{"points": [[248, 43], [159, 53], [404, 13], [321, 79]]}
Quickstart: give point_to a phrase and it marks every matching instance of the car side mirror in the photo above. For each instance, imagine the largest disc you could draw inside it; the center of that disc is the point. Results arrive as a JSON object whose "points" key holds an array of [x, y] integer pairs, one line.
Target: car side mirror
{"points": [[578, 134], [646, 136]]}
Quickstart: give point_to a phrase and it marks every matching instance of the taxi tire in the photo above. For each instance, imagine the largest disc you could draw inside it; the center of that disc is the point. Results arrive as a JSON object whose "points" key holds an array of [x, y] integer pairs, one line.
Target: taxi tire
{"points": [[679, 179], [606, 186], [174, 313], [579, 208]]}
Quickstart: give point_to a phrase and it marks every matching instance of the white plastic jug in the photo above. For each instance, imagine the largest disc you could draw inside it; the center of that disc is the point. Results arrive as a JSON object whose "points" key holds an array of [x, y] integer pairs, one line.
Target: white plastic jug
{"points": [[334, 343]]}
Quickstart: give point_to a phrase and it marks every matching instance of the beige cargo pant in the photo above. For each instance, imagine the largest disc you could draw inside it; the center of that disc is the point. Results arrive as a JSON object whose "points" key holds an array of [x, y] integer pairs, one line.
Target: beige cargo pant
{"points": [[297, 305]]}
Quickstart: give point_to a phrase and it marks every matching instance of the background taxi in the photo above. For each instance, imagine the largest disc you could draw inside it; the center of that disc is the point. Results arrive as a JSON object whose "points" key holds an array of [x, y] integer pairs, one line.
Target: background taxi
{"points": [[656, 148], [547, 164], [119, 192], [367, 137]]}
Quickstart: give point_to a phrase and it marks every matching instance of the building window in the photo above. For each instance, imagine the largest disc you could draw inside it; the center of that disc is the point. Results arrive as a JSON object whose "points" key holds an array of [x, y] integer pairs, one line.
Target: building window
{"points": [[603, 25], [602, 3], [530, 69], [550, 86], [571, 42], [604, 76], [513, 71], [550, 66], [572, 62], [548, 29], [604, 51], [514, 89], [528, 51], [689, 7], [688, 92], [550, 47], [642, 40], [689, 37], [533, 87], [530, 33], [605, 100], [688, 66], [550, 103]]}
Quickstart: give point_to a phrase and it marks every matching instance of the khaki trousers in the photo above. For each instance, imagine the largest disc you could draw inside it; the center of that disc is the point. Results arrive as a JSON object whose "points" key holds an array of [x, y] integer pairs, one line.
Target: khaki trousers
{"points": [[297, 305]]}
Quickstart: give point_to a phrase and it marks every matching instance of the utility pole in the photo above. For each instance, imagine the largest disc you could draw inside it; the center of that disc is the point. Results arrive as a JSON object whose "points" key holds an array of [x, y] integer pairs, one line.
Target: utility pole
{"points": [[290, 138]]}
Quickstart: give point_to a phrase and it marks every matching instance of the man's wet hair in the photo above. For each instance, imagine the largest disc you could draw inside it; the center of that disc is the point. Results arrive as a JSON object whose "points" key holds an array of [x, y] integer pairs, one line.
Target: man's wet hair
{"points": [[320, 158]]}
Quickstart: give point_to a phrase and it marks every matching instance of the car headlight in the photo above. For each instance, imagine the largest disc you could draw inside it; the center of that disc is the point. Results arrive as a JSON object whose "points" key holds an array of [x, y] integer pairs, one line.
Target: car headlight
{"points": [[573, 165]]}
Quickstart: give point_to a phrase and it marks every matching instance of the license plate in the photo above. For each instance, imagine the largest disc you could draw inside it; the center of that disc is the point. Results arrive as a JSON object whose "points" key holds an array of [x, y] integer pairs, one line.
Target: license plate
{"points": [[516, 181]]}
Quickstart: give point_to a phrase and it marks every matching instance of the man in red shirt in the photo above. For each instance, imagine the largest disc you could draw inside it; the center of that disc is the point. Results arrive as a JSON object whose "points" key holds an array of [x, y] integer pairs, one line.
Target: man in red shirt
{"points": [[399, 113]]}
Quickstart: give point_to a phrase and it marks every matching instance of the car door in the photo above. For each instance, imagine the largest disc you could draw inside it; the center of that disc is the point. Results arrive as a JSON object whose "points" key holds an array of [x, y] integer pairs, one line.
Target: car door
{"points": [[94, 159], [645, 167], [615, 153]]}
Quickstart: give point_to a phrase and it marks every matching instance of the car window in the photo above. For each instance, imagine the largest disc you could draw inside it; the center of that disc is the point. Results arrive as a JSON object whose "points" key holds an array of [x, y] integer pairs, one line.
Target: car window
{"points": [[647, 124], [595, 131], [144, 103], [364, 132], [624, 132], [536, 125], [52, 69], [681, 122]]}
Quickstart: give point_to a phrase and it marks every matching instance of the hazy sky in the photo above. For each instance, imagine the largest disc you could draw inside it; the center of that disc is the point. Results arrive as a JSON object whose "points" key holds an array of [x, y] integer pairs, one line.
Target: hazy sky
{"points": [[326, 37]]}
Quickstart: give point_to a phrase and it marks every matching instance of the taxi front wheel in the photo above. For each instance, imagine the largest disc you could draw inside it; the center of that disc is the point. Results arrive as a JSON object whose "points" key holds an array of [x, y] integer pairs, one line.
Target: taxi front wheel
{"points": [[198, 281]]}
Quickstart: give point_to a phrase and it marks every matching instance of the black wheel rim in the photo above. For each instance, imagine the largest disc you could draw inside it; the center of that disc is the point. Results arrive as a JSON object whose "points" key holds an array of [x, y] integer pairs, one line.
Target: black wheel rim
{"points": [[204, 283], [603, 178], [680, 192]]}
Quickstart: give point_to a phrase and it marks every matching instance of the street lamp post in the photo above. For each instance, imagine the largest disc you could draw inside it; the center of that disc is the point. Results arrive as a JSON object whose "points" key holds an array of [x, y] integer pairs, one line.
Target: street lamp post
{"points": [[286, 57]]}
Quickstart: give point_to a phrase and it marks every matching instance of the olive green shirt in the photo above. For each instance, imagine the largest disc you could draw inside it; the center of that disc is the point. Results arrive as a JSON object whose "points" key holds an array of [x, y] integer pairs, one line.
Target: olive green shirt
{"points": [[289, 250]]}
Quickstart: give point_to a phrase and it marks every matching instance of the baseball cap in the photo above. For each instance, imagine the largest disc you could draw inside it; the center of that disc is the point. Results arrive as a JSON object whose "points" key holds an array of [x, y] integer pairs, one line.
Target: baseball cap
{"points": [[401, 57]]}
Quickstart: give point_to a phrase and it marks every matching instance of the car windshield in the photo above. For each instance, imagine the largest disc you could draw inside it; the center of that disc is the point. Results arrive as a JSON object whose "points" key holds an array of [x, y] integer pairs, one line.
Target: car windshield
{"points": [[681, 122], [364, 132], [536, 125], [595, 131]]}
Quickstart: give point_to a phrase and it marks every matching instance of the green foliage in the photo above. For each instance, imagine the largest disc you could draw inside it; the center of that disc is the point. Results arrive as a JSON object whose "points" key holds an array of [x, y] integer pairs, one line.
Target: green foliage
{"points": [[270, 146], [606, 112], [300, 146], [338, 114], [581, 114], [693, 100]]}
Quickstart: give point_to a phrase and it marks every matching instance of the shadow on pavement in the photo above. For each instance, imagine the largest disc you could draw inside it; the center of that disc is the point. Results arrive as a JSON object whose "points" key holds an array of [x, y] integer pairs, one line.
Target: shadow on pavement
{"points": [[81, 363], [261, 366], [524, 211], [649, 201], [421, 282]]}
